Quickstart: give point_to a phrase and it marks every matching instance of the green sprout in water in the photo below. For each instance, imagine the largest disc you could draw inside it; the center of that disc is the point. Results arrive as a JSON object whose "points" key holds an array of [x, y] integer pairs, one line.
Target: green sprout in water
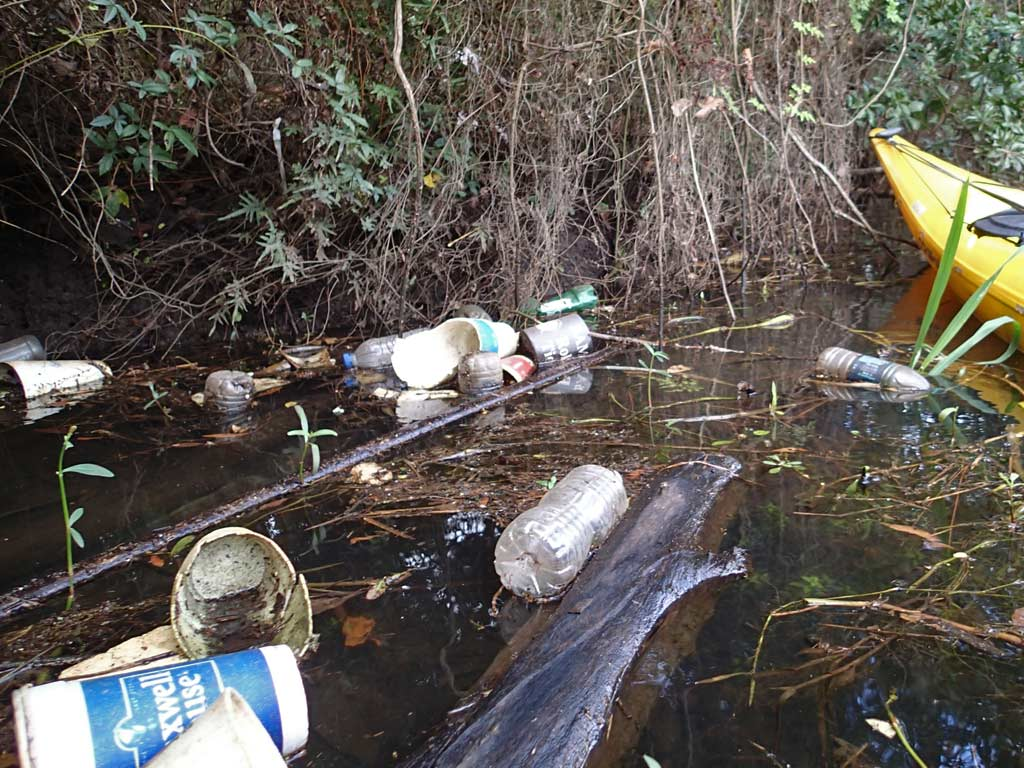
{"points": [[71, 534], [308, 441], [155, 401], [778, 463], [1010, 483], [548, 484], [656, 356]]}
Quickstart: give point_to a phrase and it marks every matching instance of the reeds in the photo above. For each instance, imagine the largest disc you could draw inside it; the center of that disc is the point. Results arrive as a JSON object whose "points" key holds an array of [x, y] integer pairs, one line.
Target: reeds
{"points": [[936, 359]]}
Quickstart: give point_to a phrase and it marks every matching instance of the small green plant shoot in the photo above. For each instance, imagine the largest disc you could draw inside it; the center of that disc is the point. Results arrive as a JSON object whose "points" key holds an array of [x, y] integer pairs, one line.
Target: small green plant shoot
{"points": [[71, 534], [308, 441], [548, 484], [778, 463], [937, 357], [155, 401], [656, 356]]}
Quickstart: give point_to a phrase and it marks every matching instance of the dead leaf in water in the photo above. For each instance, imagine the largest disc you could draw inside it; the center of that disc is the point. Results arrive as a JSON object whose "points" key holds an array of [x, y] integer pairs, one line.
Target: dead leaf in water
{"points": [[931, 540], [357, 630], [883, 727], [382, 585]]}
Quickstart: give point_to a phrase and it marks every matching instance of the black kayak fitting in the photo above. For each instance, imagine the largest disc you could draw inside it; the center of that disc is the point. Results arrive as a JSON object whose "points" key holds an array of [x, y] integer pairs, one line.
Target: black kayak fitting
{"points": [[888, 133], [1007, 224]]}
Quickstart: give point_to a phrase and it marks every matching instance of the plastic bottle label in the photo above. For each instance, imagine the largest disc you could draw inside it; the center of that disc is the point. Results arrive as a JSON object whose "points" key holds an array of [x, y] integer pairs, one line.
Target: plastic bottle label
{"points": [[868, 369], [488, 338], [133, 717], [554, 306]]}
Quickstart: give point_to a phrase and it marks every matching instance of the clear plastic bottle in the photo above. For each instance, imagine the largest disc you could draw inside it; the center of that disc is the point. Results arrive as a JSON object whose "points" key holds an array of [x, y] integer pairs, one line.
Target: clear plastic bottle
{"points": [[375, 353], [844, 365], [541, 551]]}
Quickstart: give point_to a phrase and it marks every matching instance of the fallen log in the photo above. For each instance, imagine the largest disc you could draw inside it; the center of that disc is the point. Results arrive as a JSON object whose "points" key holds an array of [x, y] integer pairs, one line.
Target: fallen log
{"points": [[554, 704], [31, 594]]}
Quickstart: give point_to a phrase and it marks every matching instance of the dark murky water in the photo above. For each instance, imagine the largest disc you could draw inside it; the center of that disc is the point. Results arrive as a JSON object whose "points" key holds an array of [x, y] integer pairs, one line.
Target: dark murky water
{"points": [[387, 670]]}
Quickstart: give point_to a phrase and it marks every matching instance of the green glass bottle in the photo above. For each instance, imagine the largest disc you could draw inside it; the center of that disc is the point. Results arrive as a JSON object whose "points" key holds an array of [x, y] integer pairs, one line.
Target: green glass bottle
{"points": [[574, 300]]}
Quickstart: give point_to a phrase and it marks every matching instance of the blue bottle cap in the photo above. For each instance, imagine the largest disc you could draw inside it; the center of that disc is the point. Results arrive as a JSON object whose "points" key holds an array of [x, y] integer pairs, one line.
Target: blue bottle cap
{"points": [[348, 360]]}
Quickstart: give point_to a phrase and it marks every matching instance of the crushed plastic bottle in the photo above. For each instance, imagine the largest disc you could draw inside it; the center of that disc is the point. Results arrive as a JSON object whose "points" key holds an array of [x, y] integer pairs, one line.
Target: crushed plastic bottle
{"points": [[844, 365], [375, 353], [22, 348], [480, 373], [229, 391], [542, 551], [472, 311], [576, 299]]}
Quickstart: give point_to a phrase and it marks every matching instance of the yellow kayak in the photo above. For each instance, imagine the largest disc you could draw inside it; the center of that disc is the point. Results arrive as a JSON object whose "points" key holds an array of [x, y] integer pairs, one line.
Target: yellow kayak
{"points": [[927, 190]]}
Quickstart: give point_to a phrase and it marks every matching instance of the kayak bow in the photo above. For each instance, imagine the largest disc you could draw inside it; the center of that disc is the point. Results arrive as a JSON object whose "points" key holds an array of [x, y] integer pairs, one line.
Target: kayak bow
{"points": [[926, 190]]}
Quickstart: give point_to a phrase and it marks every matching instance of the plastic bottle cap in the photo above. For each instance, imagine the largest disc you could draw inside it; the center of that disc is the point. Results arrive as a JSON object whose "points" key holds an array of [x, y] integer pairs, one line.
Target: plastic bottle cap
{"points": [[348, 360]]}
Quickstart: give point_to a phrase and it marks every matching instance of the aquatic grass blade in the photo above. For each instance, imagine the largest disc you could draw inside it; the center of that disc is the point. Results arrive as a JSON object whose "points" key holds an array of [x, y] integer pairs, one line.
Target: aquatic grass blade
{"points": [[942, 273], [985, 330], [962, 316], [93, 470]]}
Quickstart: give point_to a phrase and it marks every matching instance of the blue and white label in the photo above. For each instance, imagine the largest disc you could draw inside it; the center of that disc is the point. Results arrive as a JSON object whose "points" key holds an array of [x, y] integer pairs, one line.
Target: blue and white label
{"points": [[133, 716], [488, 338], [867, 369]]}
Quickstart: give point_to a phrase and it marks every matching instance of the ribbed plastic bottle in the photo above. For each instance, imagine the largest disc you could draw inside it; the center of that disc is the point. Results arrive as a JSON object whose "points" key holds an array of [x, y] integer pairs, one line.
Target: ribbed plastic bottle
{"points": [[542, 551], [845, 365], [375, 353]]}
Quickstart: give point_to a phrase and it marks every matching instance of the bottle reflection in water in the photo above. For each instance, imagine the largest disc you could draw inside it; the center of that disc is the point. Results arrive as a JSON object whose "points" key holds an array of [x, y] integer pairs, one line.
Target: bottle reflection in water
{"points": [[542, 550]]}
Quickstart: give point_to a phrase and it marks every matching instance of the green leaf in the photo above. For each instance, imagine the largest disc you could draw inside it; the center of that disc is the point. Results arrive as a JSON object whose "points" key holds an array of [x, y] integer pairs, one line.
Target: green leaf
{"points": [[75, 516], [102, 121], [93, 470], [182, 544], [650, 762], [297, 433], [315, 450], [77, 538], [945, 413], [324, 433], [945, 269], [105, 164], [986, 329], [185, 138], [302, 418], [961, 318]]}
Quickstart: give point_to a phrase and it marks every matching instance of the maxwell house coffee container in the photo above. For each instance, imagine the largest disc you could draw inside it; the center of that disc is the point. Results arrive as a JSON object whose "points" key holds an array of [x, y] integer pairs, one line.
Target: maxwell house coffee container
{"points": [[556, 340], [124, 720]]}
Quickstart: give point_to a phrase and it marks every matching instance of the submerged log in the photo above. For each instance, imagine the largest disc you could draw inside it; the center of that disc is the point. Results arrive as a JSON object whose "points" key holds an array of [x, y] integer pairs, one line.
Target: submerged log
{"points": [[554, 705], [31, 594]]}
